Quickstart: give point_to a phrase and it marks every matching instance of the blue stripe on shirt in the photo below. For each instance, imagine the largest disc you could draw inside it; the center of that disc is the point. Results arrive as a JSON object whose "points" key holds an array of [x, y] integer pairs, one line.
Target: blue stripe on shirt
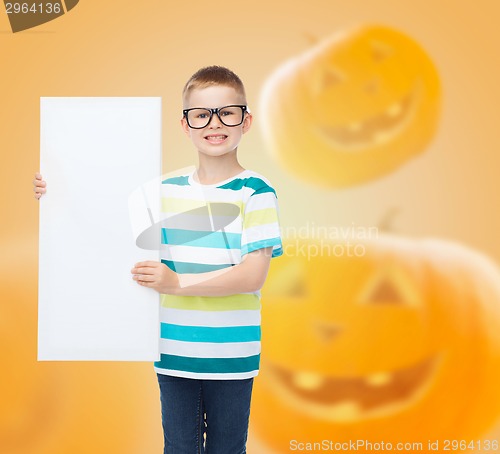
{"points": [[210, 334], [200, 238], [179, 181], [193, 268], [256, 245], [257, 184]]}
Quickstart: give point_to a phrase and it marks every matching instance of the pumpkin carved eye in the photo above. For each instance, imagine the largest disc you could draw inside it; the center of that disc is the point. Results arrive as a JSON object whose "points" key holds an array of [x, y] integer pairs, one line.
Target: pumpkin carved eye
{"points": [[390, 287], [332, 77], [386, 293], [325, 79]]}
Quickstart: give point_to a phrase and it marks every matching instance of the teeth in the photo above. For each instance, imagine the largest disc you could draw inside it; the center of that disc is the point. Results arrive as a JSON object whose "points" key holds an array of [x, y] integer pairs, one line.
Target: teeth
{"points": [[307, 380], [345, 411], [380, 379], [394, 110]]}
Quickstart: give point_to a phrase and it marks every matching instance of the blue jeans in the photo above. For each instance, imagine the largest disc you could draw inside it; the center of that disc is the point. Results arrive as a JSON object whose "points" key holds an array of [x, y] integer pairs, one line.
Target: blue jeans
{"points": [[190, 408]]}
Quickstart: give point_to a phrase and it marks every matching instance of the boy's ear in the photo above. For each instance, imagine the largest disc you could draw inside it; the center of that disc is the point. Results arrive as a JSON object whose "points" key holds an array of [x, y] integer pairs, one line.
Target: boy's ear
{"points": [[185, 126], [247, 122]]}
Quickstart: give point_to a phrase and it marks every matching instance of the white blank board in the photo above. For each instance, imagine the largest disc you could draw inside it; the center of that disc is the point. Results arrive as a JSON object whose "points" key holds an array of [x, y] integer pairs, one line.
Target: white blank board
{"points": [[94, 153]]}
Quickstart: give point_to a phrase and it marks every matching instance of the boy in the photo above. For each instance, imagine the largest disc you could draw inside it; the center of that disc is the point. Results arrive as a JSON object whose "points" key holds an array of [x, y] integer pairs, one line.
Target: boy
{"points": [[219, 232]]}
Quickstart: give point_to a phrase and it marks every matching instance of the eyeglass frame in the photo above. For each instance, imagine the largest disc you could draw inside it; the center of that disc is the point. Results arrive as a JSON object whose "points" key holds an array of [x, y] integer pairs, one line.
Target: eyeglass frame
{"points": [[216, 111]]}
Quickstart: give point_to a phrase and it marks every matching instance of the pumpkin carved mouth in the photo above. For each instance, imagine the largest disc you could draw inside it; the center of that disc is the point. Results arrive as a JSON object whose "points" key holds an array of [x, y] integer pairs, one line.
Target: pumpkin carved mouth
{"points": [[378, 129], [352, 398]]}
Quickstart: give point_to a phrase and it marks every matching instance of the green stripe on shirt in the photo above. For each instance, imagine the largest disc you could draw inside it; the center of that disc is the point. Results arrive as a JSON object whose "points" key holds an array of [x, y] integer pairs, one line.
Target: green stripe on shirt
{"points": [[209, 365], [242, 301], [260, 217]]}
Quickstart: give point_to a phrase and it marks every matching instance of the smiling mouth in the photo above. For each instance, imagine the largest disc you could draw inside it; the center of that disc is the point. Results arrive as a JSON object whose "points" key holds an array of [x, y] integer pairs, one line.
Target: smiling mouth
{"points": [[352, 398], [377, 129], [216, 138]]}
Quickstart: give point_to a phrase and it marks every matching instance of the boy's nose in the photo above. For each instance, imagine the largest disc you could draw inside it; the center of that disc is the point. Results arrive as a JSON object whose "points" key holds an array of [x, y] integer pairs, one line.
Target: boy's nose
{"points": [[215, 122]]}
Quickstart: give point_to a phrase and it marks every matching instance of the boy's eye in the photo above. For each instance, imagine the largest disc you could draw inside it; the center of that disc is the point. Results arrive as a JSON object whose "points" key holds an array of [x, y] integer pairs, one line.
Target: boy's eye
{"points": [[198, 114], [226, 113]]}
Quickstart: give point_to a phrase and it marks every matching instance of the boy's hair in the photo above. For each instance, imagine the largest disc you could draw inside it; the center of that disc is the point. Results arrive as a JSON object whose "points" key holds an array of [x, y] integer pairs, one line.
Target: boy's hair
{"points": [[213, 75]]}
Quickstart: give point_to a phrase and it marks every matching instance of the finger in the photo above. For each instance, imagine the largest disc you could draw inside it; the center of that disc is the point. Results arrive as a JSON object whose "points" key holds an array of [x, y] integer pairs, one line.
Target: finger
{"points": [[146, 284], [148, 263], [144, 277], [144, 271], [39, 183], [38, 189], [38, 176]]}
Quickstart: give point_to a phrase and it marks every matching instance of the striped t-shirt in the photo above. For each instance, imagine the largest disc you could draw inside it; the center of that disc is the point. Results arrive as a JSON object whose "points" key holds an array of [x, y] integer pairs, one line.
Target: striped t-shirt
{"points": [[207, 228]]}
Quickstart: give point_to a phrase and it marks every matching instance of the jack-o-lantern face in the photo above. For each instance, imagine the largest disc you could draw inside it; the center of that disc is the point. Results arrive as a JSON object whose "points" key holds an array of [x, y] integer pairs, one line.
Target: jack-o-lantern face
{"points": [[384, 346], [372, 391], [353, 108]]}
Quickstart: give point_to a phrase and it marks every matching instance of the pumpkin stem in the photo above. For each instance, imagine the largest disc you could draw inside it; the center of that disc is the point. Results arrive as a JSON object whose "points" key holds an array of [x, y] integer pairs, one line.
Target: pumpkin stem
{"points": [[385, 224]]}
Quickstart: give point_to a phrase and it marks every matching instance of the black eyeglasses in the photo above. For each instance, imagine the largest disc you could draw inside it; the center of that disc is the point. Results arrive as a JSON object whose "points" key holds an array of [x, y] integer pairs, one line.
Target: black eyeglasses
{"points": [[198, 118]]}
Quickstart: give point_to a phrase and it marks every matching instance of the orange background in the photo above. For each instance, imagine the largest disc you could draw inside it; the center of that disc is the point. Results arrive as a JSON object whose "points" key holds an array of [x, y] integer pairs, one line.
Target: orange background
{"points": [[150, 48]]}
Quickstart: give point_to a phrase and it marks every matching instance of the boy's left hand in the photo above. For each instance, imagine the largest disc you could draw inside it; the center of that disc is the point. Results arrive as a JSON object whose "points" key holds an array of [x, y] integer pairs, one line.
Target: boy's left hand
{"points": [[157, 276]]}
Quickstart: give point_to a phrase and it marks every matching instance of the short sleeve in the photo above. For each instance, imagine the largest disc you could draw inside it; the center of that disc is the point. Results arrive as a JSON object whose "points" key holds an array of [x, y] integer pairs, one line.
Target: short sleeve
{"points": [[261, 228]]}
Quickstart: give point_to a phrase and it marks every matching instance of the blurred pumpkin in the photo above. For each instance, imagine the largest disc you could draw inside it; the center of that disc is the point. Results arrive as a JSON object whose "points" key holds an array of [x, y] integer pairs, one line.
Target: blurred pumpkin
{"points": [[65, 407], [353, 108], [391, 340]]}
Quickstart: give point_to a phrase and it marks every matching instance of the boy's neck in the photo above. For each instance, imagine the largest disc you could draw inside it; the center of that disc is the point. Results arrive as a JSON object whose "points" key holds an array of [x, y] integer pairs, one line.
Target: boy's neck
{"points": [[213, 169]]}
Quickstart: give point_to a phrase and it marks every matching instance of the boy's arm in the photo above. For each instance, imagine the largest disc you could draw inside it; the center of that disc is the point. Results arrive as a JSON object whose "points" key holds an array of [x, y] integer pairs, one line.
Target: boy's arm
{"points": [[247, 276]]}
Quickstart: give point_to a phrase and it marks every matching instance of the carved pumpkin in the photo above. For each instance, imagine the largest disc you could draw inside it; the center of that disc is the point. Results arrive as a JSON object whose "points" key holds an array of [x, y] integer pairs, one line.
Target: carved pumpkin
{"points": [[56, 407], [353, 108], [398, 343]]}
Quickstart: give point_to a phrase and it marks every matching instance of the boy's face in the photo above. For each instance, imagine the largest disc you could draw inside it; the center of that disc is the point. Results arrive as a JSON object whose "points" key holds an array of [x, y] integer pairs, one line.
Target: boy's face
{"points": [[215, 139]]}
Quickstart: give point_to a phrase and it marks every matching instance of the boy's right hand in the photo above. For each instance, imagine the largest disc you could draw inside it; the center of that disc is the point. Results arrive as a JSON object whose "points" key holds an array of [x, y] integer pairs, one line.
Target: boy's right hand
{"points": [[39, 186]]}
